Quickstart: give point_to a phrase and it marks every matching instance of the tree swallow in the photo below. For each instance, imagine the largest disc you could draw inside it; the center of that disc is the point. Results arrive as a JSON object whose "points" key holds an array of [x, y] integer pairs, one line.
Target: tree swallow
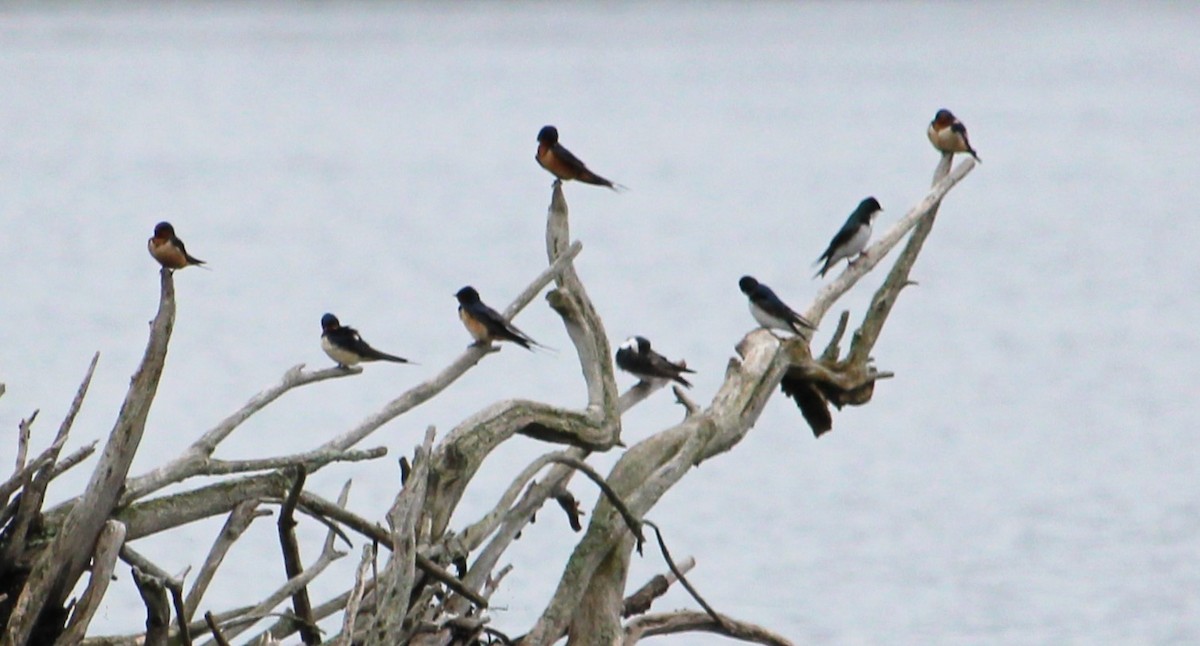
{"points": [[346, 347], [552, 156], [852, 238], [769, 311], [169, 250], [485, 324], [949, 135], [635, 357]]}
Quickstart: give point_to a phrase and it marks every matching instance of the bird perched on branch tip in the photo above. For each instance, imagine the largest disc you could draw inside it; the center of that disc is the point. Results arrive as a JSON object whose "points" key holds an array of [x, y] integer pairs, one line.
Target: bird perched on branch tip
{"points": [[554, 157], [949, 135]]}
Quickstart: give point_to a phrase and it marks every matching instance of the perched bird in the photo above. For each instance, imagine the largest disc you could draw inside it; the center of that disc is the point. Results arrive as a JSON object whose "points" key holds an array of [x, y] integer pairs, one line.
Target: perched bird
{"points": [[169, 250], [852, 238], [486, 324], [949, 135], [769, 311], [346, 347], [552, 156], [635, 357]]}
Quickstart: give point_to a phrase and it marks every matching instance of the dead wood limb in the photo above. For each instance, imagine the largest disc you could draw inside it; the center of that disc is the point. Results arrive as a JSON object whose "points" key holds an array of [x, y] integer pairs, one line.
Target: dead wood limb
{"points": [[78, 455], [319, 507], [640, 601], [291, 557], [58, 566], [237, 523], [263, 608], [356, 595], [897, 278], [286, 626], [690, 407], [394, 585], [24, 430], [173, 584], [158, 609], [682, 621], [581, 319], [195, 458], [218, 636], [108, 546]]}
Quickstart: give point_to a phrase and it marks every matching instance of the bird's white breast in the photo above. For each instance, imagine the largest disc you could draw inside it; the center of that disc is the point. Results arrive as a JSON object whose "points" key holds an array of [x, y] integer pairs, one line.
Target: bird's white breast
{"points": [[344, 357], [766, 320]]}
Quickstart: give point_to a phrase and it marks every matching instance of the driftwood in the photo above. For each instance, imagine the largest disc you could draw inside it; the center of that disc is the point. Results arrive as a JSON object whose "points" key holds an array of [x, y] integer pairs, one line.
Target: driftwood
{"points": [[419, 580]]}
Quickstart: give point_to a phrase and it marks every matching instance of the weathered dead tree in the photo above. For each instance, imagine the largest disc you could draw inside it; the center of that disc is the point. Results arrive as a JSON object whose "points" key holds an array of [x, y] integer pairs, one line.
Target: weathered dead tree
{"points": [[436, 581]]}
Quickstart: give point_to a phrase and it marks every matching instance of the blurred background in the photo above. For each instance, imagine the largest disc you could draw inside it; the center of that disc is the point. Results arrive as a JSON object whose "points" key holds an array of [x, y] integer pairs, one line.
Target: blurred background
{"points": [[1030, 474]]}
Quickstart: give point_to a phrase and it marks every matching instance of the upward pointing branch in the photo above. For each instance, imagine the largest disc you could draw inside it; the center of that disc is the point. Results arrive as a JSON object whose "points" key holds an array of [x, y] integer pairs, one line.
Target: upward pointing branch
{"points": [[60, 566]]}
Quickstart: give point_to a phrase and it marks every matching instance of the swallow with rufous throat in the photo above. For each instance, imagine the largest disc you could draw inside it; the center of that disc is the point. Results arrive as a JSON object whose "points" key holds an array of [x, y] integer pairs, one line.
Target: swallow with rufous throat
{"points": [[168, 250], [555, 158], [949, 135], [486, 324]]}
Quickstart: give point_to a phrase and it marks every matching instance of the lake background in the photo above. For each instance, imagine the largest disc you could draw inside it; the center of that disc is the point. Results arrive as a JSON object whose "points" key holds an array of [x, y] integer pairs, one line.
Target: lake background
{"points": [[1029, 476]]}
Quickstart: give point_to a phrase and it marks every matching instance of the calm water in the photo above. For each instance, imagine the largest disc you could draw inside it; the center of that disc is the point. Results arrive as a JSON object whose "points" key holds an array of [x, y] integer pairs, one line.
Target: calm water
{"points": [[1029, 476]]}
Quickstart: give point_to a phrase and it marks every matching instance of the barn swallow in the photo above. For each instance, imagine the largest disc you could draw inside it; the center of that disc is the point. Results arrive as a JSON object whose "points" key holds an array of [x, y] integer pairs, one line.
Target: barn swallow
{"points": [[949, 135], [852, 238], [486, 324], [635, 357], [552, 156], [346, 347], [769, 311], [169, 250]]}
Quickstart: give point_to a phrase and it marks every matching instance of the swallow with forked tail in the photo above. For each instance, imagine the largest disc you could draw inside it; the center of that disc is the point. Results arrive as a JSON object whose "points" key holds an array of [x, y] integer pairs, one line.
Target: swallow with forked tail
{"points": [[555, 158], [852, 239], [635, 357], [345, 346], [168, 250], [949, 135], [770, 311], [486, 324]]}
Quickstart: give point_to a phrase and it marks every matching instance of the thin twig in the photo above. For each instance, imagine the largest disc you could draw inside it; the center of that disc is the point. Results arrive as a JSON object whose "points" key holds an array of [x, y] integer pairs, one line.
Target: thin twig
{"points": [[237, 523]]}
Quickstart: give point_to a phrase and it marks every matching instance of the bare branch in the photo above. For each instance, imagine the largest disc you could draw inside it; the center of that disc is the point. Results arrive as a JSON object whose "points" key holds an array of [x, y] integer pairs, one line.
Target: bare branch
{"points": [[291, 557], [582, 321], [108, 545], [76, 456], [237, 523], [639, 602], [218, 636], [194, 459], [58, 567], [158, 609], [688, 621], [263, 609], [23, 432], [356, 595], [897, 278]]}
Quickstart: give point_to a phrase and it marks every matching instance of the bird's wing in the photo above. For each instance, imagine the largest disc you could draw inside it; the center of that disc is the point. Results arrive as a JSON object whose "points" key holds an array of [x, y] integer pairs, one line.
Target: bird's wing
{"points": [[567, 158]]}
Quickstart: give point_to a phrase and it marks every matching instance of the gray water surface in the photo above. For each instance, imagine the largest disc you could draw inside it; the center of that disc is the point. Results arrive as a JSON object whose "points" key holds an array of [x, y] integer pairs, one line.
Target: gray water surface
{"points": [[1029, 476]]}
